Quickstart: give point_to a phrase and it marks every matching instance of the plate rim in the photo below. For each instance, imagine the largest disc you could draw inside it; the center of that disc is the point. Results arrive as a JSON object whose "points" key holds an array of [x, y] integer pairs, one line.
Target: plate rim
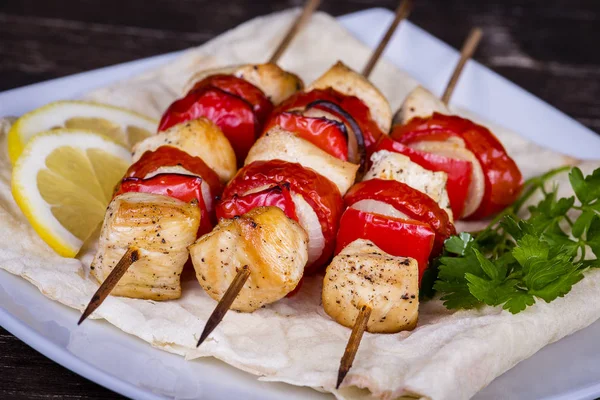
{"points": [[62, 356], [66, 359]]}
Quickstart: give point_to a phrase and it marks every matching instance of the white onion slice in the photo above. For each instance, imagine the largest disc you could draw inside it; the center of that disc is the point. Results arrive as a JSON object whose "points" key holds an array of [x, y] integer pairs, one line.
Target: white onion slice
{"points": [[456, 149], [207, 196], [378, 207], [308, 219], [173, 169]]}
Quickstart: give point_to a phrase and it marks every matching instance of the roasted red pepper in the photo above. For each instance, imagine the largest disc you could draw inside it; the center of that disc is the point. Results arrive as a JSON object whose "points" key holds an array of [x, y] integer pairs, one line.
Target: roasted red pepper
{"points": [[351, 104], [395, 236], [459, 171], [319, 192], [503, 180], [326, 134], [232, 114], [275, 196], [182, 187], [231, 84], [168, 156], [413, 203]]}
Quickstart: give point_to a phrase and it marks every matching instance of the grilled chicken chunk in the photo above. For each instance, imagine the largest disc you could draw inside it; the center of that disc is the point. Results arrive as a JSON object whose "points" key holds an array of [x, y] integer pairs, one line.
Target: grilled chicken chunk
{"points": [[199, 138], [273, 246], [363, 274], [420, 102], [283, 145], [398, 167], [351, 83], [275, 83], [162, 228]]}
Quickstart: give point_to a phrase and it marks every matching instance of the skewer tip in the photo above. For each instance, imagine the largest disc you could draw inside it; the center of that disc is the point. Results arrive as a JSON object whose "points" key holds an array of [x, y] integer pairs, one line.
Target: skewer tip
{"points": [[226, 301], [341, 375], [360, 325], [131, 255], [204, 335]]}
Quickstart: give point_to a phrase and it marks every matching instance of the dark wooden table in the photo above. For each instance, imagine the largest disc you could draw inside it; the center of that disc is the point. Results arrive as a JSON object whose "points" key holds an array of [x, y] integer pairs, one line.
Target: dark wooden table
{"points": [[549, 47]]}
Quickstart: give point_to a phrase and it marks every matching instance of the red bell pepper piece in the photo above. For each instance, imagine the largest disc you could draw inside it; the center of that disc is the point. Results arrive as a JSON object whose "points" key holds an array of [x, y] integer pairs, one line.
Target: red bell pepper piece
{"points": [[182, 187], [415, 204], [459, 171], [276, 196], [503, 180], [351, 104], [319, 192], [326, 134], [168, 156], [395, 236], [239, 87], [232, 114]]}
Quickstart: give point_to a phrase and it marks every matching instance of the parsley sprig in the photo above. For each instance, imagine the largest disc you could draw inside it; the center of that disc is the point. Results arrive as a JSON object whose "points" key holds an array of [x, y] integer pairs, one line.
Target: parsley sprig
{"points": [[515, 261]]}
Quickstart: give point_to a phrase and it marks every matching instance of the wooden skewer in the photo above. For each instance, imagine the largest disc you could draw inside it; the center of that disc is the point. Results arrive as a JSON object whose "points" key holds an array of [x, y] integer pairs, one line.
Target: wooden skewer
{"points": [[309, 7], [402, 12], [242, 276], [131, 255], [466, 52], [360, 325], [226, 301]]}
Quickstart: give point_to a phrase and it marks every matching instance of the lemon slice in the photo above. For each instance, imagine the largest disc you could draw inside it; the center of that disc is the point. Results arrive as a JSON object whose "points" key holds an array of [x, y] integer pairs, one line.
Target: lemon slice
{"points": [[123, 126], [63, 182]]}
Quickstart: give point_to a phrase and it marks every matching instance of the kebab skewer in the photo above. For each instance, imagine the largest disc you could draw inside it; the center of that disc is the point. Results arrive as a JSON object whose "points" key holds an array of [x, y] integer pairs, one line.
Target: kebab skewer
{"points": [[307, 158], [166, 199], [482, 178], [388, 233]]}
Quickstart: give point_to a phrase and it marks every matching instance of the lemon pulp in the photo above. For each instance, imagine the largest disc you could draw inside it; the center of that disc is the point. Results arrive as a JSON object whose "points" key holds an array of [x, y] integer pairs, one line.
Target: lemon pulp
{"points": [[66, 194]]}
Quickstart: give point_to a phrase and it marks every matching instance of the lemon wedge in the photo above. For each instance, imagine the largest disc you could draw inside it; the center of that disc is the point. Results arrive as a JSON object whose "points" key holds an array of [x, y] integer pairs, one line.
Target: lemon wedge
{"points": [[123, 126], [63, 181]]}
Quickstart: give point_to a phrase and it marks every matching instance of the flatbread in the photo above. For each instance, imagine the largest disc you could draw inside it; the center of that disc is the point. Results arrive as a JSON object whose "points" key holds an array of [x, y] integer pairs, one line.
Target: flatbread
{"points": [[448, 356]]}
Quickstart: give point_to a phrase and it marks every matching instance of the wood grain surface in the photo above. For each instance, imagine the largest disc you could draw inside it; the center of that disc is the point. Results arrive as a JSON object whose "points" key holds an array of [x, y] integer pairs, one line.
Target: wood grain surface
{"points": [[549, 47]]}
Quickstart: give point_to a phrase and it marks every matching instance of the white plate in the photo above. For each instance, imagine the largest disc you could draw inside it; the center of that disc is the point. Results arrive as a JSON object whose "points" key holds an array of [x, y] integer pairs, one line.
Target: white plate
{"points": [[568, 369]]}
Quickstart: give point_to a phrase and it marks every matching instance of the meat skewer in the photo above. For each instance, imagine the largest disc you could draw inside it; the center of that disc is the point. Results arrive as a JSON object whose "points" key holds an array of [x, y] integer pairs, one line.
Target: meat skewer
{"points": [[482, 178], [187, 161], [295, 150], [382, 242]]}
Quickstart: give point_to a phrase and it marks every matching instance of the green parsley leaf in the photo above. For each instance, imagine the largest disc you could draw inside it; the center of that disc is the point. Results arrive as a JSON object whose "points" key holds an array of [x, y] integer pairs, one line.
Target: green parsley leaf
{"points": [[582, 223], [593, 236], [586, 188], [514, 261], [456, 295], [459, 244]]}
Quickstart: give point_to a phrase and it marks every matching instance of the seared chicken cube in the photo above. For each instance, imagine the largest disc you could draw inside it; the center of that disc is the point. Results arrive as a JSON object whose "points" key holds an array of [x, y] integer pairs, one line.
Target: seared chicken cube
{"points": [[161, 228], [420, 102], [364, 275], [273, 246], [276, 83], [351, 83], [199, 138], [398, 167], [279, 144]]}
